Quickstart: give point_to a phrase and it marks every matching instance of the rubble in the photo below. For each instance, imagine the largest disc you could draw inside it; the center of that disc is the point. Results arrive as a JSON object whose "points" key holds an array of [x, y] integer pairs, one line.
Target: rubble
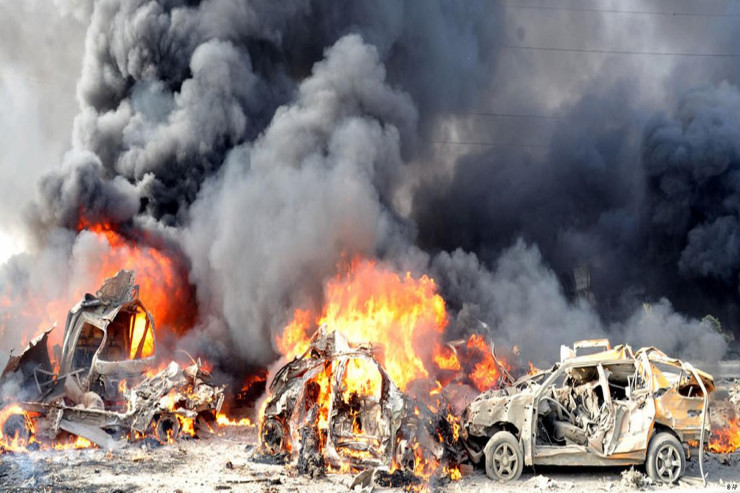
{"points": [[634, 479], [734, 393], [104, 385]]}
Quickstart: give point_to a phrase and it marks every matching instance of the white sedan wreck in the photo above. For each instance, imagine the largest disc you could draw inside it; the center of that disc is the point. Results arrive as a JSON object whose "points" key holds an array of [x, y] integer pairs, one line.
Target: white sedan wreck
{"points": [[611, 407]]}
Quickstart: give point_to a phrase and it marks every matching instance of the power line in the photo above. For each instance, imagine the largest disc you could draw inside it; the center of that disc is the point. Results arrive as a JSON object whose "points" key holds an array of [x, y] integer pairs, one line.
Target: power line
{"points": [[621, 52], [505, 115], [614, 11], [488, 144]]}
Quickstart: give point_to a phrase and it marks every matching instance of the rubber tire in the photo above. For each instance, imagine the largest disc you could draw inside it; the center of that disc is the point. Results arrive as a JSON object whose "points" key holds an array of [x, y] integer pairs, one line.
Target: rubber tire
{"points": [[17, 423], [510, 444], [659, 442]]}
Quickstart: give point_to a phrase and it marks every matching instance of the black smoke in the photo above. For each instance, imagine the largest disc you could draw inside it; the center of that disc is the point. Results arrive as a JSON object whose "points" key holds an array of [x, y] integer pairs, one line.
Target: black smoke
{"points": [[262, 142]]}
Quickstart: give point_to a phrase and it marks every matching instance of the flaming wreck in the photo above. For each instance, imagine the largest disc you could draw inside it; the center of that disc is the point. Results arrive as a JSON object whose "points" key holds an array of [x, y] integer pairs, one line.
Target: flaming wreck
{"points": [[103, 385]]}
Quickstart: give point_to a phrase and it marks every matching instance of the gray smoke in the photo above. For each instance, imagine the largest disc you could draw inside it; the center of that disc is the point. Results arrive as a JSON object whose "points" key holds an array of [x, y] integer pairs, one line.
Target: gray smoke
{"points": [[266, 232], [261, 143]]}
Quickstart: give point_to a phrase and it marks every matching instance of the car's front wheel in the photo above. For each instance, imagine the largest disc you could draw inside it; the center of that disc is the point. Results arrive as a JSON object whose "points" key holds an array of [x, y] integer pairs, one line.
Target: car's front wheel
{"points": [[666, 461], [504, 458]]}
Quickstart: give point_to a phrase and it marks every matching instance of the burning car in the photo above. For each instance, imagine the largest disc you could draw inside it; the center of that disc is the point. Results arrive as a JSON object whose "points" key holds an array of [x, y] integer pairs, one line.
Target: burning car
{"points": [[335, 406], [104, 386], [610, 407]]}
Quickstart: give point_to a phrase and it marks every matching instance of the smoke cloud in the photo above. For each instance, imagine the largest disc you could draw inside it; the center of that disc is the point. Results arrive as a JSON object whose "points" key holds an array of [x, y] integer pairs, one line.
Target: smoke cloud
{"points": [[262, 143]]}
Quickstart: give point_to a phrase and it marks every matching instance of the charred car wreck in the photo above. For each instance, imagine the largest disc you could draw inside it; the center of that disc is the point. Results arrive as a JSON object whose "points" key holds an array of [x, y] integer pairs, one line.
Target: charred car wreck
{"points": [[610, 407], [335, 408], [105, 387]]}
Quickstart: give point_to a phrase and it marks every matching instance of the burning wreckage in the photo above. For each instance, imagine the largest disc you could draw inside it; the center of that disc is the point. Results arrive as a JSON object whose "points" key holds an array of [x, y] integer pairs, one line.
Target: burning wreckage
{"points": [[335, 408], [104, 385], [610, 407]]}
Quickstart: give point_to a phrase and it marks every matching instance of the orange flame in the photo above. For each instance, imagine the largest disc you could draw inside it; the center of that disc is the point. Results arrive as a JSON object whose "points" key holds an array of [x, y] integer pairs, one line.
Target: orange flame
{"points": [[16, 442], [361, 378], [486, 373], [161, 288], [223, 420], [446, 359], [726, 439], [371, 303]]}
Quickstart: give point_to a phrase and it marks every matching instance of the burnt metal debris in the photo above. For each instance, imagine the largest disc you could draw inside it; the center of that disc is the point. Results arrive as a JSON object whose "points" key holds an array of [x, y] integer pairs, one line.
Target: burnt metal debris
{"points": [[610, 407], [106, 387], [311, 417]]}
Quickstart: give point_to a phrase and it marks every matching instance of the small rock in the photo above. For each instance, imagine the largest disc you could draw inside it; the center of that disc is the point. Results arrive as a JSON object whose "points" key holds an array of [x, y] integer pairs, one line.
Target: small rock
{"points": [[229, 465]]}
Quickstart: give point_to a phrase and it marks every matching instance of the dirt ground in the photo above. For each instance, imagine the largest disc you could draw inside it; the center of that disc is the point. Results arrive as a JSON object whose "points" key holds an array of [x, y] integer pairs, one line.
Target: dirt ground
{"points": [[223, 463]]}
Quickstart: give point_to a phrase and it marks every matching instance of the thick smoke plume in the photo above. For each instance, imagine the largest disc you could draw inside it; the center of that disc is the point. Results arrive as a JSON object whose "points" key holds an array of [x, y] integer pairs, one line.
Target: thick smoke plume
{"points": [[260, 143]]}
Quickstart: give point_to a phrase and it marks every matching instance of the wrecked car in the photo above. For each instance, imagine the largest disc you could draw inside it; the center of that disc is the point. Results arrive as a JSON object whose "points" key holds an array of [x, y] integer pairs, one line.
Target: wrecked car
{"points": [[335, 407], [104, 386], [610, 407]]}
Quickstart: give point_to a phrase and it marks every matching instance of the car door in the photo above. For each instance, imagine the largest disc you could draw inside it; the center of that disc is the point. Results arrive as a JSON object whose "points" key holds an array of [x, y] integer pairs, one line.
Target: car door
{"points": [[634, 412]]}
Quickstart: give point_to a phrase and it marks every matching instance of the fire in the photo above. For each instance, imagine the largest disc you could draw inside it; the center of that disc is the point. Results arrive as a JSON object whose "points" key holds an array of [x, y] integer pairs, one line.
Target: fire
{"points": [[453, 472], [253, 379], [370, 302], [20, 443], [160, 284], [454, 422], [424, 467], [361, 378], [726, 439], [295, 338], [163, 288], [223, 420], [77, 443], [187, 425], [486, 373], [446, 359], [17, 441]]}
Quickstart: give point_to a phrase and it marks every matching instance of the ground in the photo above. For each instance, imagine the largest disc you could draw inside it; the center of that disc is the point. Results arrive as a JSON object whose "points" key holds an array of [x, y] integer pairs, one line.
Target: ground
{"points": [[223, 463]]}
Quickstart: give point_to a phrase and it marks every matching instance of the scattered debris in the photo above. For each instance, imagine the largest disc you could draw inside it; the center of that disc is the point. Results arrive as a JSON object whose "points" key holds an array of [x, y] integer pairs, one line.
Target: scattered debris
{"points": [[634, 479], [734, 392], [104, 386], [541, 483]]}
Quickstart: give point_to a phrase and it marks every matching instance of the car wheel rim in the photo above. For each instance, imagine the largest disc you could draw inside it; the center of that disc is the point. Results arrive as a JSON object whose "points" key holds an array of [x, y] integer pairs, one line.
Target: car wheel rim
{"points": [[668, 464], [505, 461]]}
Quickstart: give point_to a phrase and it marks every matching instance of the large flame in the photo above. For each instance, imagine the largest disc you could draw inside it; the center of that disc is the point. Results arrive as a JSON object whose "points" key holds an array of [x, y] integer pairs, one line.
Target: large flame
{"points": [[160, 285], [726, 439], [371, 303]]}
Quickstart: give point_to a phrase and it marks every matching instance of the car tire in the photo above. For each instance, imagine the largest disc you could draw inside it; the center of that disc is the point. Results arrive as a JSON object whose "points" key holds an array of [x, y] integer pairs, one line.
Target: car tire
{"points": [[666, 460], [504, 458], [274, 436], [17, 429]]}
